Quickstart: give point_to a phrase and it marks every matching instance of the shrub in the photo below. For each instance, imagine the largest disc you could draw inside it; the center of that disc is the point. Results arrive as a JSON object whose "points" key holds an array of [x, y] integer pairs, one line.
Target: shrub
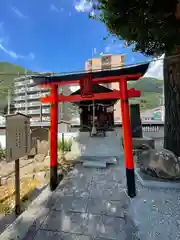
{"points": [[67, 145], [2, 154]]}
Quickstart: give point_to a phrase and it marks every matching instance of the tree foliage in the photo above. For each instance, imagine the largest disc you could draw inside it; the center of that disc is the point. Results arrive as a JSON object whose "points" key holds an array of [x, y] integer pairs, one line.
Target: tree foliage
{"points": [[150, 25]]}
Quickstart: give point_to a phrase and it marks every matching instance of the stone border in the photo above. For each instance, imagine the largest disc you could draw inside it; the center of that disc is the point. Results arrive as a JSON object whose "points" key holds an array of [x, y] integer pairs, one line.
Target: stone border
{"points": [[150, 182], [101, 159], [19, 228]]}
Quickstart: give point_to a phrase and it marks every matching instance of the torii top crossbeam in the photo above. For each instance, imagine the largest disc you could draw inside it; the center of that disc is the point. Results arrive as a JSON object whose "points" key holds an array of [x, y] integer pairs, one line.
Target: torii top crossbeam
{"points": [[131, 72]]}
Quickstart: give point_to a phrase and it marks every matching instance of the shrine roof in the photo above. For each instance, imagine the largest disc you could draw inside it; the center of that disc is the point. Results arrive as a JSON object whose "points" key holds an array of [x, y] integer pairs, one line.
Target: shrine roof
{"points": [[96, 89], [130, 70]]}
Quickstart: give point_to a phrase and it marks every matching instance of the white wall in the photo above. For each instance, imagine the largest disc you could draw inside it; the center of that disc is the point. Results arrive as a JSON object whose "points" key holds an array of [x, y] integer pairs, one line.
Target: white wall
{"points": [[66, 136], [3, 141]]}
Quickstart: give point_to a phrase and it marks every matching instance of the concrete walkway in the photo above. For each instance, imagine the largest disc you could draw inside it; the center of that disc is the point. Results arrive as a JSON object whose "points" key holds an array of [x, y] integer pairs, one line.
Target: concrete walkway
{"points": [[92, 204]]}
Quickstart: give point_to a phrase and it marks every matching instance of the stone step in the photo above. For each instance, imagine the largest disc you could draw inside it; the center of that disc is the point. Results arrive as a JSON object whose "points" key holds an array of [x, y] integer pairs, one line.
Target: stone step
{"points": [[93, 164], [102, 159]]}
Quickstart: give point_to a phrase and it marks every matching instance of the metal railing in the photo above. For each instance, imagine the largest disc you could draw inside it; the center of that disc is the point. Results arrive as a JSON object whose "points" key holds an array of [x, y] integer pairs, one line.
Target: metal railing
{"points": [[149, 128]]}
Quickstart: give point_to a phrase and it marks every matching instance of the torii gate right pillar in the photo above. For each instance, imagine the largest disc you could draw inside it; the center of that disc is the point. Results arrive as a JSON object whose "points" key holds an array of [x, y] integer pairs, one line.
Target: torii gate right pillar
{"points": [[129, 162]]}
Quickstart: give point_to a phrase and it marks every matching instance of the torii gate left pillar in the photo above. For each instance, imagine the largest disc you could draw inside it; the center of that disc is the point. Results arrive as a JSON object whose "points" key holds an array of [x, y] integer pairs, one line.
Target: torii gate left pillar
{"points": [[54, 138]]}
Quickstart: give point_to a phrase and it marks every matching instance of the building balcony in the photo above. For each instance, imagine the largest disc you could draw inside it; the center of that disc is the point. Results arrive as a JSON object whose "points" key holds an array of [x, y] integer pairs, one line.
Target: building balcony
{"points": [[38, 119], [19, 90], [33, 120], [45, 94], [31, 96], [34, 96], [21, 111], [37, 111], [46, 119], [37, 89], [33, 89], [19, 105], [34, 104], [30, 82], [30, 104], [38, 103], [19, 98], [23, 82], [19, 84], [46, 110]]}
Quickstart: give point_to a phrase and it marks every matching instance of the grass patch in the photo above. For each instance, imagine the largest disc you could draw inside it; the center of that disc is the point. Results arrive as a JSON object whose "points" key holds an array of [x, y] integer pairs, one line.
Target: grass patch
{"points": [[2, 154], [67, 145], [7, 194], [63, 165]]}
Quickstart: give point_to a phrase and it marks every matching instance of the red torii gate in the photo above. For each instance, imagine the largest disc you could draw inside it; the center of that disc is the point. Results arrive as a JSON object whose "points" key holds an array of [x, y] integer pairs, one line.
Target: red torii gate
{"points": [[86, 81]]}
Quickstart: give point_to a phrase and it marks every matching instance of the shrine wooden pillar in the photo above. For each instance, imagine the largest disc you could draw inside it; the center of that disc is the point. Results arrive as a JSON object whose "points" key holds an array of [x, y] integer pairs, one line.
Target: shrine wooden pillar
{"points": [[54, 137], [126, 125]]}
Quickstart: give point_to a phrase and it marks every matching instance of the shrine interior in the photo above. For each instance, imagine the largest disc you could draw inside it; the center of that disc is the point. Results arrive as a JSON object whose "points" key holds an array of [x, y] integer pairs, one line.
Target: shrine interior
{"points": [[97, 110]]}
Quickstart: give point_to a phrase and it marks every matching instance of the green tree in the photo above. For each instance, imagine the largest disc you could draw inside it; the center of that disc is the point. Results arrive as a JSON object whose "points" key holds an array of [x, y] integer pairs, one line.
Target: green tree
{"points": [[154, 29]]}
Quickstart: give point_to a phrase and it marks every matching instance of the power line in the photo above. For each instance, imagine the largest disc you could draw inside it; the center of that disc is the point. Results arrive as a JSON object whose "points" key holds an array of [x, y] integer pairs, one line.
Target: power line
{"points": [[84, 71]]}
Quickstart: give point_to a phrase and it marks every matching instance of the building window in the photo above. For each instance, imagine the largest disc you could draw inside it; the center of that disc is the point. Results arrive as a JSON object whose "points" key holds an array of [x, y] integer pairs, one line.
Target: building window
{"points": [[106, 62], [90, 63], [122, 59]]}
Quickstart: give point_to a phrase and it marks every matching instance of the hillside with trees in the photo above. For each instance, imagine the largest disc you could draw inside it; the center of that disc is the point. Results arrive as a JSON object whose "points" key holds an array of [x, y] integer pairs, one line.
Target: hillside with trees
{"points": [[151, 92], [148, 85], [8, 72]]}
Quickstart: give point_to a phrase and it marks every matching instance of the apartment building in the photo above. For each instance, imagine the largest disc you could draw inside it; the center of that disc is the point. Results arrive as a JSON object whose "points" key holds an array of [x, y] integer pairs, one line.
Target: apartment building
{"points": [[27, 99], [108, 62]]}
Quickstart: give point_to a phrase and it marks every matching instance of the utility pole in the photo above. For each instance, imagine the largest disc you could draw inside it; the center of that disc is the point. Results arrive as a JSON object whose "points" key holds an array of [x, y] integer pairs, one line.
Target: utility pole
{"points": [[40, 108], [62, 119], [162, 103], [26, 95], [9, 101], [162, 107]]}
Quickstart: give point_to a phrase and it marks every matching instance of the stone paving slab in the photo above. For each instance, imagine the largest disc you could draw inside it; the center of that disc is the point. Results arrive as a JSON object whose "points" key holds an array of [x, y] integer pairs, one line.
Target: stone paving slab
{"points": [[71, 203], [49, 235], [109, 208]]}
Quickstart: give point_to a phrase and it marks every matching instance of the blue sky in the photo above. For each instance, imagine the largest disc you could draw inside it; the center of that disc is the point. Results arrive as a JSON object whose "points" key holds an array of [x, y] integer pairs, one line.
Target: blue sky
{"points": [[54, 35]]}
